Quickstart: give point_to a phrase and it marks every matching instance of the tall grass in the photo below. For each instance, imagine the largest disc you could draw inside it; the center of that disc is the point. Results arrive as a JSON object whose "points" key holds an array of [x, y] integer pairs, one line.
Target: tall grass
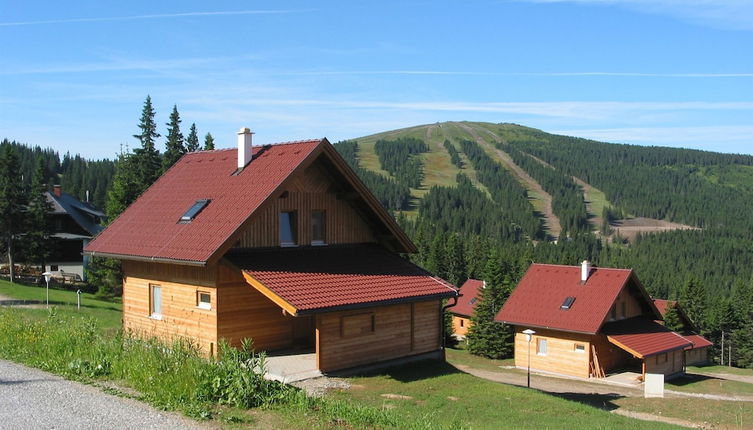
{"points": [[174, 376]]}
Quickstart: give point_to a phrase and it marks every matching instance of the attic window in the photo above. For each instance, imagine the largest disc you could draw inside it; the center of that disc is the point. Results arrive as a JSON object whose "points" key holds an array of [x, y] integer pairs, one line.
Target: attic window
{"points": [[194, 210], [568, 303]]}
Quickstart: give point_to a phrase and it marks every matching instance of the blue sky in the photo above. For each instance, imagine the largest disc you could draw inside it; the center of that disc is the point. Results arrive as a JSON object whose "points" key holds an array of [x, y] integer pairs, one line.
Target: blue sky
{"points": [[666, 72]]}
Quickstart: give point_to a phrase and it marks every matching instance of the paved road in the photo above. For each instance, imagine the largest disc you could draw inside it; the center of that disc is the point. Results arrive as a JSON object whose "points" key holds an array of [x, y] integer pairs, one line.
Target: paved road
{"points": [[33, 399]]}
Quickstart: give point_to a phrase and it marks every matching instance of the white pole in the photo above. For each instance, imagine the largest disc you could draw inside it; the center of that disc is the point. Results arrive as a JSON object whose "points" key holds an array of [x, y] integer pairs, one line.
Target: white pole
{"points": [[47, 276], [78, 299]]}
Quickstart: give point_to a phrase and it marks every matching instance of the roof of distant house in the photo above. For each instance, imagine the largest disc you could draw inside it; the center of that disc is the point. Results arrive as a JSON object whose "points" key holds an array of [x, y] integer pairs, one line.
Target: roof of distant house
{"points": [[84, 214], [689, 328], [151, 228], [552, 296], [469, 295], [305, 280]]}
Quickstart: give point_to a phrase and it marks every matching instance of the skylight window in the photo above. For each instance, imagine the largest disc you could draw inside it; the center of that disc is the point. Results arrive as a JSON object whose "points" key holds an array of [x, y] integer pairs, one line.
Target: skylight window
{"points": [[194, 210], [568, 303], [473, 300]]}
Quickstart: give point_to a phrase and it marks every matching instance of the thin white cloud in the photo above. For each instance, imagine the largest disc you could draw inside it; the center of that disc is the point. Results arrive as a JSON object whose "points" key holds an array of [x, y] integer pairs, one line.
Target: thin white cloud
{"points": [[724, 14], [153, 16], [542, 74]]}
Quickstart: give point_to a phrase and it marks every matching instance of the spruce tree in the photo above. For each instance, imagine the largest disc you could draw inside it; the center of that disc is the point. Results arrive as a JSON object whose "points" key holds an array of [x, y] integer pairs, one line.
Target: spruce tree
{"points": [[192, 141], [146, 159], [12, 202], [37, 239], [435, 261], [174, 146], [455, 260], [693, 301], [208, 142], [672, 318], [487, 337]]}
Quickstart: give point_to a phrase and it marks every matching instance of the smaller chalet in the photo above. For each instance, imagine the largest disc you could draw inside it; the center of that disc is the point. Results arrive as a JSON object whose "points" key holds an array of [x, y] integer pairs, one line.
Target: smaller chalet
{"points": [[698, 354], [463, 311], [279, 243], [588, 322], [74, 223]]}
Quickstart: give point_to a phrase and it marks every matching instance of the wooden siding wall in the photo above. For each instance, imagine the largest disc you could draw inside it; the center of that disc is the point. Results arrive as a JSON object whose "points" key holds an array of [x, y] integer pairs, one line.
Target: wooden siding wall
{"points": [[306, 193], [180, 315], [206, 276], [668, 363], [245, 312], [632, 306], [611, 356], [696, 356], [561, 356], [460, 325], [399, 330]]}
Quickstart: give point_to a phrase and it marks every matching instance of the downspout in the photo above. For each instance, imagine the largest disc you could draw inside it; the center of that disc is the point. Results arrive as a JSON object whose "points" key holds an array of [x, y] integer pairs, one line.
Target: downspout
{"points": [[441, 324]]}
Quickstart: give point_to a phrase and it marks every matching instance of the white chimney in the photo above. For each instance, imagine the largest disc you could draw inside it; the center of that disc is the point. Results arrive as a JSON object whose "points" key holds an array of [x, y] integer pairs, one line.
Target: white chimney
{"points": [[244, 147], [585, 270]]}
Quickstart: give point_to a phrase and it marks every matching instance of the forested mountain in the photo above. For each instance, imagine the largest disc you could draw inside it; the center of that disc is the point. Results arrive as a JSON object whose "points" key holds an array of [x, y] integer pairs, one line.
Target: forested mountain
{"points": [[75, 174], [473, 199]]}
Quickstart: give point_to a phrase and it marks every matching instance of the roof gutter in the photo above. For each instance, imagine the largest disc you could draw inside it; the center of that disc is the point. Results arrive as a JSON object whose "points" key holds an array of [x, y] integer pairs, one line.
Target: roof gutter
{"points": [[146, 259]]}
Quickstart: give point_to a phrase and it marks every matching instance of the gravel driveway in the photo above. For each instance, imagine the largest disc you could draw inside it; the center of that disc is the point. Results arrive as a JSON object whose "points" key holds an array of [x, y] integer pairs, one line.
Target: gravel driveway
{"points": [[33, 399]]}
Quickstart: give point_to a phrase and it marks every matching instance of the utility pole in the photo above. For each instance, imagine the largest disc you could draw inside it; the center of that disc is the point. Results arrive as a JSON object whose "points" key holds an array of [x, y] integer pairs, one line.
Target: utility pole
{"points": [[722, 360]]}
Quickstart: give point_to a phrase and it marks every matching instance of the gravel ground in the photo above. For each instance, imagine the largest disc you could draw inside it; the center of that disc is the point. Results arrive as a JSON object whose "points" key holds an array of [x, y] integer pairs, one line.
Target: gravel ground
{"points": [[33, 399]]}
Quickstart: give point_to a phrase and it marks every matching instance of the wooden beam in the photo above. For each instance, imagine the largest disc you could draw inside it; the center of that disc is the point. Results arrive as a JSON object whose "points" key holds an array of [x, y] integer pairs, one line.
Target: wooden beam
{"points": [[279, 301], [626, 348]]}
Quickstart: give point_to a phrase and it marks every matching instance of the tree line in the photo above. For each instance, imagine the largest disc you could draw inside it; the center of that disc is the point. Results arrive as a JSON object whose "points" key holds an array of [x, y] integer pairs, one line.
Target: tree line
{"points": [[400, 158]]}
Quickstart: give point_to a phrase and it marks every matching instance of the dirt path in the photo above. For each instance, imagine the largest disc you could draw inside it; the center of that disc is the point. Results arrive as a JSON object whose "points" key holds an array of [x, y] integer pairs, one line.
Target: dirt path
{"points": [[727, 376], [650, 417], [551, 221]]}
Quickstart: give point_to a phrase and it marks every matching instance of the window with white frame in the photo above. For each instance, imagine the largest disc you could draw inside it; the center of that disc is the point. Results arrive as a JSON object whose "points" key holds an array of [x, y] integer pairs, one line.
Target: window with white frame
{"points": [[541, 346], [155, 301], [203, 300]]}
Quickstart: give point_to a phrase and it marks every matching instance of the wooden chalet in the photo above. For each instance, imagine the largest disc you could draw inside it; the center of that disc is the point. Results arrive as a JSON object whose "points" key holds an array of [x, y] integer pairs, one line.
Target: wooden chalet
{"points": [[279, 243], [698, 353], [463, 311], [588, 322]]}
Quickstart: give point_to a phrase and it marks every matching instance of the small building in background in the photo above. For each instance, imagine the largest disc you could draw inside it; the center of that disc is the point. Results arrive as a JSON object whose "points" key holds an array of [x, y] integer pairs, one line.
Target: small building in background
{"points": [[698, 353], [463, 311], [74, 223], [588, 322]]}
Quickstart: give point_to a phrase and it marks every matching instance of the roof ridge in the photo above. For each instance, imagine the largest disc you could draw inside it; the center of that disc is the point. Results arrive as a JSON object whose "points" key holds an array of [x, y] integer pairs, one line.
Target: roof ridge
{"points": [[578, 267]]}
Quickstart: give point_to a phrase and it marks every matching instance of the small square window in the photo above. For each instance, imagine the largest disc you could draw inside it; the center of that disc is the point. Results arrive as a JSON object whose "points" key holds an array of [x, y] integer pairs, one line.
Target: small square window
{"points": [[204, 300], [288, 229], [579, 347], [318, 228], [541, 346], [155, 301], [462, 323]]}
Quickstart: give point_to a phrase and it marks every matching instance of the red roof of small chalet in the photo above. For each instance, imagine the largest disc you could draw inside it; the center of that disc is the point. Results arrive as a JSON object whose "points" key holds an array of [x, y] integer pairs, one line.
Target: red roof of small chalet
{"points": [[337, 277], [150, 230], [643, 337], [469, 294], [697, 340], [688, 333], [537, 300]]}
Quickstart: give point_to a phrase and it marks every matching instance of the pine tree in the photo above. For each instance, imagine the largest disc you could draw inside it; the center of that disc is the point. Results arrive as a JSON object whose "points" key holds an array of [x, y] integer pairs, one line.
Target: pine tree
{"points": [[672, 318], [12, 202], [208, 142], [37, 239], [487, 337], [174, 146], [455, 260], [192, 141], [146, 159], [693, 302], [126, 186], [435, 261], [742, 338]]}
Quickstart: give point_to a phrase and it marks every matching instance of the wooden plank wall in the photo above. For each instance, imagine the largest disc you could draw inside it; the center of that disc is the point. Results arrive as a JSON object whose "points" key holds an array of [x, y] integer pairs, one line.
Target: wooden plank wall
{"points": [[668, 363], [392, 336], [206, 276], [180, 315], [312, 190], [561, 355], [610, 355], [245, 312], [632, 306], [696, 356], [460, 325]]}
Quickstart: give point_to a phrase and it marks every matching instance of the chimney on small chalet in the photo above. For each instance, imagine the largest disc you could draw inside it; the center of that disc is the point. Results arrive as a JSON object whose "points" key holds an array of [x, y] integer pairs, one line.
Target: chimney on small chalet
{"points": [[57, 189], [585, 271], [244, 147]]}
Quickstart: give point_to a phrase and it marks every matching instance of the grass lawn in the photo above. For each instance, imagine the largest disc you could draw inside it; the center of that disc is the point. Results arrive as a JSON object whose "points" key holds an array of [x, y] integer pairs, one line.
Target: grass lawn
{"points": [[721, 369], [108, 313], [440, 396], [716, 414], [459, 356], [708, 385]]}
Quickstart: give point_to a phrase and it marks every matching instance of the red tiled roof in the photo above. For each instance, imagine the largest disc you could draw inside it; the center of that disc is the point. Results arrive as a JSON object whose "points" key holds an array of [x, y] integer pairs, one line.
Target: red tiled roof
{"points": [[643, 337], [661, 305], [537, 299], [469, 293], [328, 278], [150, 228], [697, 340]]}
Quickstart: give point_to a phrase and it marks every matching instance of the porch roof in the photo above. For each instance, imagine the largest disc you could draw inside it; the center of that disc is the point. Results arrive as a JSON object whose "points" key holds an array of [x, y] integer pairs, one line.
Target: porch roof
{"points": [[643, 337], [308, 280]]}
